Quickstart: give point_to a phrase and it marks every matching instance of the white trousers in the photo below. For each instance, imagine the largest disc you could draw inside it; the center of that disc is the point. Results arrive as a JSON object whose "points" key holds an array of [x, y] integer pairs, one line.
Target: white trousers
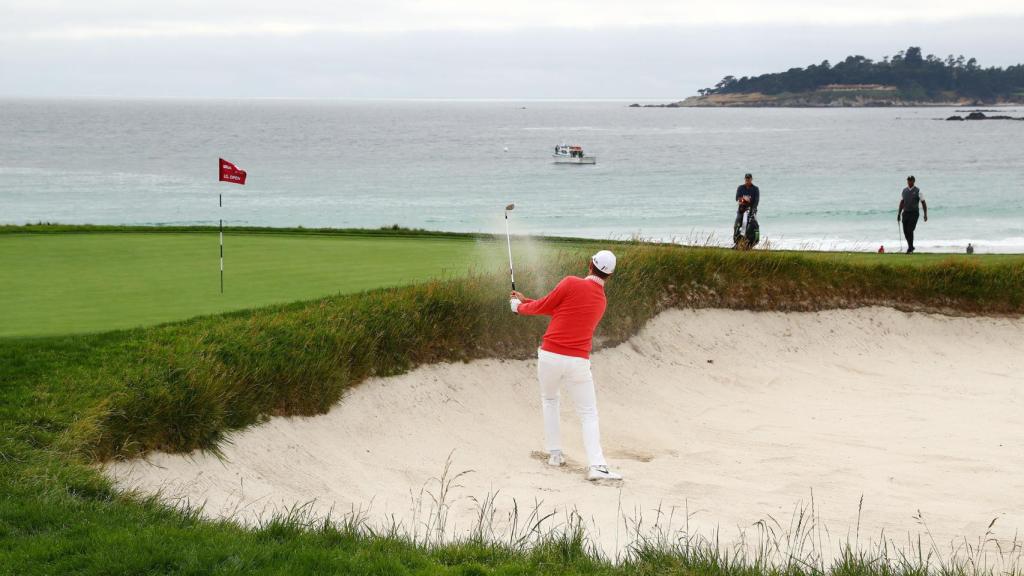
{"points": [[555, 371]]}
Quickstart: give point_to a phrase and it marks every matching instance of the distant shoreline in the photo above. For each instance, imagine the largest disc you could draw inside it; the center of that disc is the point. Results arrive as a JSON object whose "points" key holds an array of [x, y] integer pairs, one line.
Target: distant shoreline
{"points": [[819, 99]]}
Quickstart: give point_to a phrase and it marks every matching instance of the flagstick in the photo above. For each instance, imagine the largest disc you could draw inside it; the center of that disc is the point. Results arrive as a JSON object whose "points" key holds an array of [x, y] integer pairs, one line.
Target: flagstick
{"points": [[220, 202]]}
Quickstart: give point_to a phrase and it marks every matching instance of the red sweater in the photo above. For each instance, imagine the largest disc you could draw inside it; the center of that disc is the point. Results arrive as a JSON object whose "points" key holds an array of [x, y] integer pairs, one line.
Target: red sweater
{"points": [[576, 306]]}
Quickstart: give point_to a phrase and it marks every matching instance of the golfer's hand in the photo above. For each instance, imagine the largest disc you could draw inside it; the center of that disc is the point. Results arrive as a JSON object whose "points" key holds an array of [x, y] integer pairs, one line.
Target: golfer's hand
{"points": [[925, 217], [514, 304], [899, 218], [517, 295]]}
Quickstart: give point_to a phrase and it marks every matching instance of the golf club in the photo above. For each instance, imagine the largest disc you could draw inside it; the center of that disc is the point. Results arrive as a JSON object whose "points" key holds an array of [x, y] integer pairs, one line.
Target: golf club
{"points": [[508, 238]]}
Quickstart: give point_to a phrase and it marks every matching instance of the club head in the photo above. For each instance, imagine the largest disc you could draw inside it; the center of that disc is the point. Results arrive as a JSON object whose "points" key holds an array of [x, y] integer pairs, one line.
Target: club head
{"points": [[511, 206]]}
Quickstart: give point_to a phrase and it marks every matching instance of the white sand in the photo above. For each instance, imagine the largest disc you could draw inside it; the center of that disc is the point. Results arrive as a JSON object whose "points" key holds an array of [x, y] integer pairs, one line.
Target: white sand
{"points": [[736, 416]]}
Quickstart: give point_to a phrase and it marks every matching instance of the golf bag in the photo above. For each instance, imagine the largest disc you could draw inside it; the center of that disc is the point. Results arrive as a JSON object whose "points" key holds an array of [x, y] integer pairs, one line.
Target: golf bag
{"points": [[746, 232]]}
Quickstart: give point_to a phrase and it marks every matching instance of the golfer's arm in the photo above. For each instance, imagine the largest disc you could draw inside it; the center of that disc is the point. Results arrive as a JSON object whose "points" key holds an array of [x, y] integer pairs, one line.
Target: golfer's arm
{"points": [[545, 306], [542, 307], [899, 211], [925, 206]]}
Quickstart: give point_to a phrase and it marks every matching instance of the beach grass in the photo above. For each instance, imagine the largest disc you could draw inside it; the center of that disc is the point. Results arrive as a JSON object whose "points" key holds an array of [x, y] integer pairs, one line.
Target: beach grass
{"points": [[73, 400]]}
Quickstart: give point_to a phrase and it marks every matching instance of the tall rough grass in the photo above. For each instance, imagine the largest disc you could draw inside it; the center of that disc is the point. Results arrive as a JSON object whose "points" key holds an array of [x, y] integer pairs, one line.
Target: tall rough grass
{"points": [[181, 387], [546, 542]]}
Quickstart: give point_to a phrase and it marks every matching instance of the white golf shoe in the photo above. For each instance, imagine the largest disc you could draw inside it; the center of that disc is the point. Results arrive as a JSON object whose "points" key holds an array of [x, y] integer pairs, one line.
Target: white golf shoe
{"points": [[556, 458], [602, 473]]}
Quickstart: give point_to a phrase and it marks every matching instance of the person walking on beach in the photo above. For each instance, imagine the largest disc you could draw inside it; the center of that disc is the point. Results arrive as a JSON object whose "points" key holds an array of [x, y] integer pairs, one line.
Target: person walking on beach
{"points": [[909, 211], [745, 229], [576, 306]]}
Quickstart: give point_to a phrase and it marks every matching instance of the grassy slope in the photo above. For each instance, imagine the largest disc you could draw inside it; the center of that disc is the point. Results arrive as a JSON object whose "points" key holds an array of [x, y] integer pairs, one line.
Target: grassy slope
{"points": [[70, 400]]}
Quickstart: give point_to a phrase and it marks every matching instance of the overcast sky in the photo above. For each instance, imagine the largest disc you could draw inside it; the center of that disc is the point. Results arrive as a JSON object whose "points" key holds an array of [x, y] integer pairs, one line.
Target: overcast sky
{"points": [[455, 48]]}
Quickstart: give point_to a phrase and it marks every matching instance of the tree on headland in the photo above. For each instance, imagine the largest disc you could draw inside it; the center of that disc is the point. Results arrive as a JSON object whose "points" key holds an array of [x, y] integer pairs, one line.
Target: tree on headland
{"points": [[914, 76], [912, 57], [726, 82]]}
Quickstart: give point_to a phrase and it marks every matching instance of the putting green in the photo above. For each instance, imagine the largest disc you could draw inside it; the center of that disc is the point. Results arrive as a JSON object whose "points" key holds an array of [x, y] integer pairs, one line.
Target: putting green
{"points": [[87, 282], [77, 281]]}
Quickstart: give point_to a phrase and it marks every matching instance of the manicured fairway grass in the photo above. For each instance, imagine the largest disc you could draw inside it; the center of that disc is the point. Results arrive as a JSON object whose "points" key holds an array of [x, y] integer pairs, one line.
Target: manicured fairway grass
{"points": [[88, 282], [918, 259], [75, 281]]}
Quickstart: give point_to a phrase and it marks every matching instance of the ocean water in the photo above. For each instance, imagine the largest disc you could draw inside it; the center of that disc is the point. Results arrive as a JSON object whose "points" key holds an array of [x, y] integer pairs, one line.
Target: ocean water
{"points": [[829, 179]]}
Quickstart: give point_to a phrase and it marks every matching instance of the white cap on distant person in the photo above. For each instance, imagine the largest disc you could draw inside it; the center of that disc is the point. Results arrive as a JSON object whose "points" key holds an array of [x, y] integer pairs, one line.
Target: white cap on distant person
{"points": [[604, 261]]}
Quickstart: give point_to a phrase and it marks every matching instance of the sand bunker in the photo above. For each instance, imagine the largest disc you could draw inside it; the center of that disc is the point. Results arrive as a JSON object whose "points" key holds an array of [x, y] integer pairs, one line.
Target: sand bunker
{"points": [[733, 416]]}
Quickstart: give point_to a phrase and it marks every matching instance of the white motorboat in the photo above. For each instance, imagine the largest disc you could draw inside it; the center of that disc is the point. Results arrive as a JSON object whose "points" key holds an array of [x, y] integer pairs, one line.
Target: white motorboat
{"points": [[565, 154]]}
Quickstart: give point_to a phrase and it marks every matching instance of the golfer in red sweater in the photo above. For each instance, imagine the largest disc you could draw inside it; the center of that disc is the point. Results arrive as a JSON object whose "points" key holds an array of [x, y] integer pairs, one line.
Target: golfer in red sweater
{"points": [[575, 306]]}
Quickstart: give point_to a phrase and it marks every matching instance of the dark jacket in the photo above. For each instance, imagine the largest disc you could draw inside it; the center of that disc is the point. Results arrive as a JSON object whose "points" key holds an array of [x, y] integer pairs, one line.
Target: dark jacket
{"points": [[754, 192], [912, 199]]}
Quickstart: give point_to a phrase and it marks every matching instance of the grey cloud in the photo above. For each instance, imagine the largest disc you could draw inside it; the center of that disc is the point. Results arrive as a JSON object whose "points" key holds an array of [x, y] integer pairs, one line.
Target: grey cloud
{"points": [[660, 62]]}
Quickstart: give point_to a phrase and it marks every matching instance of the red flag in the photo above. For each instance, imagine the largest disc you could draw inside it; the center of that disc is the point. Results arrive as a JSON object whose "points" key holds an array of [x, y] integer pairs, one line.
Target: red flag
{"points": [[231, 173]]}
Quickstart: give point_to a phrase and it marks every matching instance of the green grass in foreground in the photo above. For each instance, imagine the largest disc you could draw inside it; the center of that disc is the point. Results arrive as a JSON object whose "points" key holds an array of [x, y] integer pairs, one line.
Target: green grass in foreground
{"points": [[70, 401]]}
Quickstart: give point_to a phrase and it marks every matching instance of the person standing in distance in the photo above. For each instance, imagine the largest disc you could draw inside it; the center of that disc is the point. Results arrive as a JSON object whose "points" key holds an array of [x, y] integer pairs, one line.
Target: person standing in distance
{"points": [[576, 306], [909, 211], [748, 197]]}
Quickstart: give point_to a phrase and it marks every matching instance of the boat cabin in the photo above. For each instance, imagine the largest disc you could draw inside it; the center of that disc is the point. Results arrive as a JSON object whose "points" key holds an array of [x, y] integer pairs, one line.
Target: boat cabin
{"points": [[569, 151]]}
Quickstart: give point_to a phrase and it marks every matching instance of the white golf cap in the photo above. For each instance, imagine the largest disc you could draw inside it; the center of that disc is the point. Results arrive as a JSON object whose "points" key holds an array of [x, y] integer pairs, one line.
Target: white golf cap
{"points": [[604, 261]]}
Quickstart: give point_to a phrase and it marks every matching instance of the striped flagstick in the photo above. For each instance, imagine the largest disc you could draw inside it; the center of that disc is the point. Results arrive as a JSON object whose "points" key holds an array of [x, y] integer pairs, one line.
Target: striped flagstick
{"points": [[228, 172], [220, 203]]}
